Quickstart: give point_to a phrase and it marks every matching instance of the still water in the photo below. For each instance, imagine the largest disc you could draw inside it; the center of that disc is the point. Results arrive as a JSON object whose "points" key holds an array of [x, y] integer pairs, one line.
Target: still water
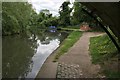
{"points": [[22, 57]]}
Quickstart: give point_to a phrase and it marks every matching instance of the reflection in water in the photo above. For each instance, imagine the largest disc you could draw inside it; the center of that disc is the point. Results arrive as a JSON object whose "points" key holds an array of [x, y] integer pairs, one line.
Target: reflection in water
{"points": [[16, 57], [23, 57], [43, 51]]}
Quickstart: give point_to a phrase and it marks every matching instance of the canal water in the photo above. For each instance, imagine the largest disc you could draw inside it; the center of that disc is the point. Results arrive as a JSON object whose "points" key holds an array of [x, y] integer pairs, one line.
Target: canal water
{"points": [[23, 56]]}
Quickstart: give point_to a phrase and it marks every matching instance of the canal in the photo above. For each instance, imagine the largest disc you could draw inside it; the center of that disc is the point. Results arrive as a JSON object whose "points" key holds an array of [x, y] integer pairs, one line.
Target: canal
{"points": [[23, 56]]}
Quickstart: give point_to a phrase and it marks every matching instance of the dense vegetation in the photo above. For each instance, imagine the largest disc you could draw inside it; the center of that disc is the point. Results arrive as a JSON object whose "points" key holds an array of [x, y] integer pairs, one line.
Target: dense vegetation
{"points": [[104, 52], [65, 14], [15, 17], [19, 17], [73, 16]]}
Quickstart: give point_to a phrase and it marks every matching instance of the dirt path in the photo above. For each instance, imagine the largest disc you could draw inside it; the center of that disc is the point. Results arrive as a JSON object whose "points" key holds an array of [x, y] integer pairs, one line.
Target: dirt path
{"points": [[78, 56], [76, 63]]}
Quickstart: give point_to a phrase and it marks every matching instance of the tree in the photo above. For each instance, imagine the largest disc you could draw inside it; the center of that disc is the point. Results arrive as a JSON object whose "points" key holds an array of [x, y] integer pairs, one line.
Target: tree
{"points": [[16, 17], [64, 12], [45, 19], [77, 14]]}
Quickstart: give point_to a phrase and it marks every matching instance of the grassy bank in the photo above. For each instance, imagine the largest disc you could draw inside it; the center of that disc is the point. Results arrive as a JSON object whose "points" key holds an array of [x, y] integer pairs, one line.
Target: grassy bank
{"points": [[104, 52], [70, 29], [67, 43]]}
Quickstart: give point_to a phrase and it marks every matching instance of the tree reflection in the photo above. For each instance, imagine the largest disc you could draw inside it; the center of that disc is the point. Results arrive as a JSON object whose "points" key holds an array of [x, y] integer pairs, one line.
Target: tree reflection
{"points": [[17, 54]]}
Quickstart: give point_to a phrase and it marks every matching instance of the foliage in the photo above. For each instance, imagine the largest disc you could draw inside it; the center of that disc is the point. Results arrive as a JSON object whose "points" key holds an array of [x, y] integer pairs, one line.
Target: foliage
{"points": [[104, 52], [77, 14], [67, 43], [64, 12], [16, 17], [101, 48], [80, 16], [46, 20]]}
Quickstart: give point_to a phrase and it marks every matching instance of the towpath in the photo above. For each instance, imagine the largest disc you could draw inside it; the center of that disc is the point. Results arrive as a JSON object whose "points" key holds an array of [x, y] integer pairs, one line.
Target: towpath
{"points": [[76, 63]]}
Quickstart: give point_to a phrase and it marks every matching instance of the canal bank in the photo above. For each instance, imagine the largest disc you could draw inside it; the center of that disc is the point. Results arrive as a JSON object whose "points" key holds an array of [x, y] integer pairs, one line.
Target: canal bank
{"points": [[49, 68], [76, 58], [28, 53]]}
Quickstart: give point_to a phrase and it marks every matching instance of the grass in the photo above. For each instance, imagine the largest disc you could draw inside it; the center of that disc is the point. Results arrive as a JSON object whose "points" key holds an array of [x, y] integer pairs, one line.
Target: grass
{"points": [[67, 43], [72, 29], [104, 52], [112, 74], [101, 48]]}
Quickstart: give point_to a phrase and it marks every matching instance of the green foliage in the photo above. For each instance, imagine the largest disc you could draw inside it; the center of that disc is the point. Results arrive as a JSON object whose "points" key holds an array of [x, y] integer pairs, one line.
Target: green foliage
{"points": [[77, 14], [15, 17], [67, 43], [11, 25], [46, 20], [80, 16], [104, 52], [101, 48], [65, 14]]}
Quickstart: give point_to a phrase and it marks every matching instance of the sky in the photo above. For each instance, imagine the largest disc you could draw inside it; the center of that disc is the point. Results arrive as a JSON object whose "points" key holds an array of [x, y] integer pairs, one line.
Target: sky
{"points": [[51, 5]]}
